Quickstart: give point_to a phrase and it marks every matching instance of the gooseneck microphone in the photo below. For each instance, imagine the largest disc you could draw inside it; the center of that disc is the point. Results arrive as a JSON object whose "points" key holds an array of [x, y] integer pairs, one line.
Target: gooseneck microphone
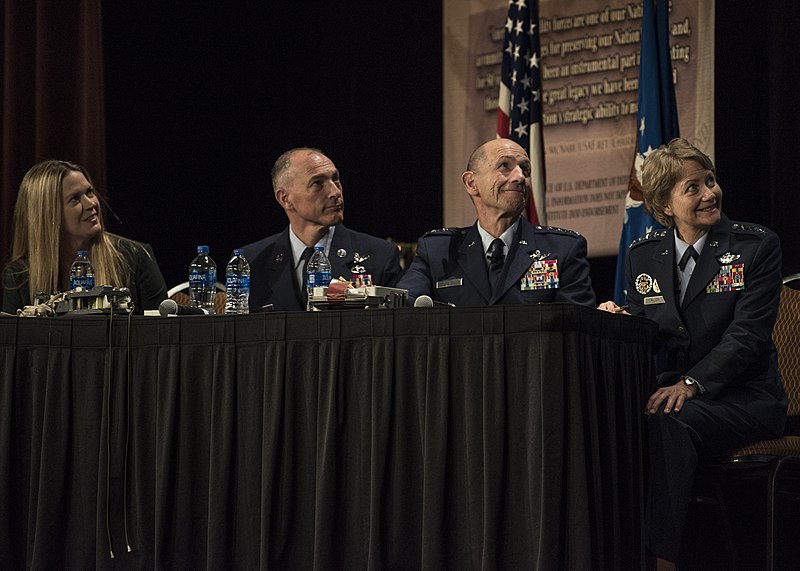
{"points": [[427, 301], [170, 307]]}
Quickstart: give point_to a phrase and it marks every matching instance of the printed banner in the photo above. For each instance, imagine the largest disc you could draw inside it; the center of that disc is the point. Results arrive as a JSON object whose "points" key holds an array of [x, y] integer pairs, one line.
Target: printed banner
{"points": [[590, 73]]}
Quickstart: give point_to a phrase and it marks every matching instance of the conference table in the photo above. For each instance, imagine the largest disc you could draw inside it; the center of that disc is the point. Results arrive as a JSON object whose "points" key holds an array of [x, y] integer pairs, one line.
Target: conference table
{"points": [[444, 438]]}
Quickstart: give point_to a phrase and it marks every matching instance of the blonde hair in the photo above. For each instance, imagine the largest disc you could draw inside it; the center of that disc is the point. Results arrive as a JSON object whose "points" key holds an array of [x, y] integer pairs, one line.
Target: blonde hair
{"points": [[661, 171], [37, 232]]}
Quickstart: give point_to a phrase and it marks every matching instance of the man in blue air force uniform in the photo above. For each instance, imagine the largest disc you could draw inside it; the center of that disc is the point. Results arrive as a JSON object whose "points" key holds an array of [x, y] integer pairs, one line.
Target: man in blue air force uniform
{"points": [[307, 186], [502, 259]]}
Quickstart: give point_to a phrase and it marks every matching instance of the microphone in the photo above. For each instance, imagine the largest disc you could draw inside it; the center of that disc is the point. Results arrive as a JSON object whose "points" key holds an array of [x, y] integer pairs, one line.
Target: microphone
{"points": [[169, 307], [427, 301]]}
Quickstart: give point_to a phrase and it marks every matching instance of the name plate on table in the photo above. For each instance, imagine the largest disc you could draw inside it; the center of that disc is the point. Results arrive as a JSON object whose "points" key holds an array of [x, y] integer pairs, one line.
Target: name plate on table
{"points": [[365, 297], [101, 300]]}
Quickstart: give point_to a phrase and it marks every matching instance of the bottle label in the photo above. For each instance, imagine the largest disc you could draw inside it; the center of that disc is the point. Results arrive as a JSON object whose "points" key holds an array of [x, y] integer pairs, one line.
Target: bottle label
{"points": [[317, 279], [85, 282], [198, 278], [237, 282]]}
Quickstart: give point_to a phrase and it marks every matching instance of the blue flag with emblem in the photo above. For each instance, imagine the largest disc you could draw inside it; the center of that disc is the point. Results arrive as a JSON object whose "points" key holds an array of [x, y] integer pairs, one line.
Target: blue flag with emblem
{"points": [[656, 124]]}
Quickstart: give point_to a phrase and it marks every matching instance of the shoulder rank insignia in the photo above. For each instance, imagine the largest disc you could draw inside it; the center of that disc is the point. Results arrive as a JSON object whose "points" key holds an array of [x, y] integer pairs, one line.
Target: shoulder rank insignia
{"points": [[749, 228], [727, 258], [446, 232], [557, 230], [655, 235]]}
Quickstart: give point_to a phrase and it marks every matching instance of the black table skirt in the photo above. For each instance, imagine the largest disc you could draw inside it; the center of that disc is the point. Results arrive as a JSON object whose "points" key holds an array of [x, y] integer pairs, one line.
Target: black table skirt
{"points": [[485, 438]]}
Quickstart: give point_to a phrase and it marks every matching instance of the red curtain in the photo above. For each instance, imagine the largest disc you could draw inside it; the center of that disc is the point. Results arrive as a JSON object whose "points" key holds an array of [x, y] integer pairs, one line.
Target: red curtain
{"points": [[52, 93]]}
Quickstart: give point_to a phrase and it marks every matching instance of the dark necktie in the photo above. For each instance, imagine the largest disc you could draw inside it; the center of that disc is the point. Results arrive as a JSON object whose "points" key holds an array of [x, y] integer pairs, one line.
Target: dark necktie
{"points": [[689, 253], [305, 257], [495, 256]]}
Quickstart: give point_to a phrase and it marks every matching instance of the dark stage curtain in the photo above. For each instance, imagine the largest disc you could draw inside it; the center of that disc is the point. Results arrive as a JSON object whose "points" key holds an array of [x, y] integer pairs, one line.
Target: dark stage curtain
{"points": [[487, 438], [53, 102]]}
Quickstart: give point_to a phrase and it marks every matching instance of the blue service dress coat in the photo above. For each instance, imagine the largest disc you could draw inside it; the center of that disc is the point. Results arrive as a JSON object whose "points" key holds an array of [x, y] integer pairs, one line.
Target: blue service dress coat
{"points": [[543, 264], [272, 276], [721, 335]]}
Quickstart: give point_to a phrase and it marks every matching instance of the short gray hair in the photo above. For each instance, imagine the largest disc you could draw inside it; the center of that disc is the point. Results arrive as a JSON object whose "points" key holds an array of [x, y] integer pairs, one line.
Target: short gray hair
{"points": [[285, 161]]}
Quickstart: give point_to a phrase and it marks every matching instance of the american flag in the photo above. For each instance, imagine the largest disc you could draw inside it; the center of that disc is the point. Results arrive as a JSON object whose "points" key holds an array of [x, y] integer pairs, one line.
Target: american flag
{"points": [[656, 124], [519, 116]]}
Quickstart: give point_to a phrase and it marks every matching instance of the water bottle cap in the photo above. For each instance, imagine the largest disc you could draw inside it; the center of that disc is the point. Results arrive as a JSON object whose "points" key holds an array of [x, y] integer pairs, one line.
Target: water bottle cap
{"points": [[238, 252], [318, 248], [202, 249]]}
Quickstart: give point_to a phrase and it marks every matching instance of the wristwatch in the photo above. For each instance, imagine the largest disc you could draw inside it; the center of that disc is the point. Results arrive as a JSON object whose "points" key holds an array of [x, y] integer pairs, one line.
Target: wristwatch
{"points": [[690, 382]]}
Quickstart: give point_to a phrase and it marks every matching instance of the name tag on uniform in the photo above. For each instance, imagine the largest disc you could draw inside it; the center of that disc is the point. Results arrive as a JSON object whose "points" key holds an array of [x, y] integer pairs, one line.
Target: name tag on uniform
{"points": [[729, 278], [449, 283], [542, 274], [654, 299]]}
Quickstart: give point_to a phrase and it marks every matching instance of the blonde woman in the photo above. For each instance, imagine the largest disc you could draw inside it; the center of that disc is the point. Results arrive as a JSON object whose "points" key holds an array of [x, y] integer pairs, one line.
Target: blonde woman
{"points": [[57, 213], [712, 285]]}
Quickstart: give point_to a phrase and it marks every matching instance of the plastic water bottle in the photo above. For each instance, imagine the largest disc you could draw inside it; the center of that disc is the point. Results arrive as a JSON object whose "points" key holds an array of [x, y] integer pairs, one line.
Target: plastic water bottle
{"points": [[318, 271], [203, 280], [237, 284], [81, 275]]}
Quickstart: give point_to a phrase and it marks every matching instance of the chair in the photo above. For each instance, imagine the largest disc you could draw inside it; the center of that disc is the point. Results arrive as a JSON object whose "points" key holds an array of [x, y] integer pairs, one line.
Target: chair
{"points": [[793, 281], [180, 293], [407, 251], [775, 462]]}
